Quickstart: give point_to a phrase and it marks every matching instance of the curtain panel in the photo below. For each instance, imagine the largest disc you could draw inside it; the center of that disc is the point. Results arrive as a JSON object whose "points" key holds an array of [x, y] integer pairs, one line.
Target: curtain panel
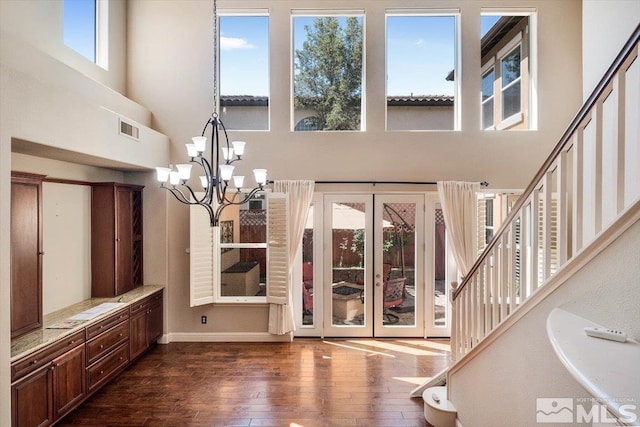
{"points": [[300, 192], [460, 211]]}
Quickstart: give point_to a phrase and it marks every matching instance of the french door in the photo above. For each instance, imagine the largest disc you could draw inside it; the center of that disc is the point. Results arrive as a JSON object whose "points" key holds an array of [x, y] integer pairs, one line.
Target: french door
{"points": [[373, 265]]}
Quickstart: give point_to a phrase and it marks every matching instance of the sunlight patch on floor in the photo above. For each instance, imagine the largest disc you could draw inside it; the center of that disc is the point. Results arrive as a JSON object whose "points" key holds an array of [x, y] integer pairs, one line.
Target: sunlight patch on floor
{"points": [[413, 380], [429, 344], [371, 352], [395, 347]]}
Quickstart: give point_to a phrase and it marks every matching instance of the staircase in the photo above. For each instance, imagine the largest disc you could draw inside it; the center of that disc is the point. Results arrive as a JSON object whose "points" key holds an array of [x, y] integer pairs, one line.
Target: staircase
{"points": [[571, 240]]}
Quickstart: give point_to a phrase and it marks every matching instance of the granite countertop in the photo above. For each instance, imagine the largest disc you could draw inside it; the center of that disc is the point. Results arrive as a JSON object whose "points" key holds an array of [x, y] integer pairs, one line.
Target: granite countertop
{"points": [[39, 338]]}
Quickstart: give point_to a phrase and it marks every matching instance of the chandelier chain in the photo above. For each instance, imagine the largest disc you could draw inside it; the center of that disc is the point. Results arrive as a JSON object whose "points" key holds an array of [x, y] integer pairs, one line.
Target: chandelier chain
{"points": [[215, 58]]}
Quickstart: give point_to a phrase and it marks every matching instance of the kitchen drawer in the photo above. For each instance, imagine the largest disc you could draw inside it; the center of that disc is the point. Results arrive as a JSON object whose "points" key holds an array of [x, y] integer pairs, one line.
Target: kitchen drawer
{"points": [[105, 342], [108, 366], [40, 358], [139, 306], [106, 323]]}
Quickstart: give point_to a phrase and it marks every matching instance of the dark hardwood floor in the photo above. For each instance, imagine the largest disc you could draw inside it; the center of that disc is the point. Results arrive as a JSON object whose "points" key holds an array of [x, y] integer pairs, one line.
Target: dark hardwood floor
{"points": [[307, 383]]}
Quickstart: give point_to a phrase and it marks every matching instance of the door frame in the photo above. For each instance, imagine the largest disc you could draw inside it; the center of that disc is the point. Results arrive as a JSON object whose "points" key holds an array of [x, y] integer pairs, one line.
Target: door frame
{"points": [[317, 329]]}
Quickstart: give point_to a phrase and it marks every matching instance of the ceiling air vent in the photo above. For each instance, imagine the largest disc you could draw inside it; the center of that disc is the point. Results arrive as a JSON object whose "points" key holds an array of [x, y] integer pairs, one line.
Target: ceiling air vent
{"points": [[129, 130]]}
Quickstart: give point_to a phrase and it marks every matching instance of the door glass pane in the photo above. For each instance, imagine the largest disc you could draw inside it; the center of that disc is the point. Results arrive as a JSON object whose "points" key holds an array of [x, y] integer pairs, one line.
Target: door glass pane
{"points": [[348, 273], [307, 271], [440, 269], [399, 264]]}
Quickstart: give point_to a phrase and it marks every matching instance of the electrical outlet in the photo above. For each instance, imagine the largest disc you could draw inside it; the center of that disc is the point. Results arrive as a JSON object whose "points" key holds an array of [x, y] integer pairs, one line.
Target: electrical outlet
{"points": [[203, 320]]}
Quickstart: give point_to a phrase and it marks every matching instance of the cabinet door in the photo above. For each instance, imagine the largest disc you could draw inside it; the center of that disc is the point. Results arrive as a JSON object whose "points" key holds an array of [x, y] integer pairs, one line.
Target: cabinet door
{"points": [[26, 266], [154, 322], [31, 400], [138, 336], [69, 380], [124, 241]]}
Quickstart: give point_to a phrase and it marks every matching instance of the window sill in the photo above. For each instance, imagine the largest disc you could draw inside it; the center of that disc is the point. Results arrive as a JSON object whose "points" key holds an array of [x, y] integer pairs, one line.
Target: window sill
{"points": [[510, 121]]}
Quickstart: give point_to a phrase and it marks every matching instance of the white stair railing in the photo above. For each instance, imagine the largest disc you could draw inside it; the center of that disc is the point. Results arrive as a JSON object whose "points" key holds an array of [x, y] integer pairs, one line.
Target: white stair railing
{"points": [[590, 178]]}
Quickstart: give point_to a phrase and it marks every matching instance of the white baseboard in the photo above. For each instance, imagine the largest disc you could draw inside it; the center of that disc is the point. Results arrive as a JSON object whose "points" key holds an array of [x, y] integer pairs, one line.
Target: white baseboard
{"points": [[225, 337], [458, 423]]}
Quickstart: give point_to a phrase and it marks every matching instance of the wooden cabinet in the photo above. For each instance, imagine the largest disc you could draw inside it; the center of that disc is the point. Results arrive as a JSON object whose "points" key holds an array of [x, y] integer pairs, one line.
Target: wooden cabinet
{"points": [[69, 381], [26, 252], [146, 323], [107, 348], [116, 238], [48, 383]]}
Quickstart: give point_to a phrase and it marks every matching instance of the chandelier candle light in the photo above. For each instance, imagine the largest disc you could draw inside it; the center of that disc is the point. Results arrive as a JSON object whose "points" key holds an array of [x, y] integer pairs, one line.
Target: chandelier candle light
{"points": [[216, 177]]}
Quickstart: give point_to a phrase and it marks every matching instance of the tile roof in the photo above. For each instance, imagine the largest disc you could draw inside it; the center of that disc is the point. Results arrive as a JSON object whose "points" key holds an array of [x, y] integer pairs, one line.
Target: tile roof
{"points": [[404, 100]]}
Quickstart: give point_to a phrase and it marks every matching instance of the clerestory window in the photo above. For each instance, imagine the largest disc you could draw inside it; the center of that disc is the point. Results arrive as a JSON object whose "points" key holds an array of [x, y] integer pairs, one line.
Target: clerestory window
{"points": [[328, 70], [508, 98], [422, 70], [84, 28], [244, 70]]}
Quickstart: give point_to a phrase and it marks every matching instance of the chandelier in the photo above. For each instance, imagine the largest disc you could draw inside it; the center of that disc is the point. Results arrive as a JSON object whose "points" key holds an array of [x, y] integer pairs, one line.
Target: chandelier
{"points": [[218, 173]]}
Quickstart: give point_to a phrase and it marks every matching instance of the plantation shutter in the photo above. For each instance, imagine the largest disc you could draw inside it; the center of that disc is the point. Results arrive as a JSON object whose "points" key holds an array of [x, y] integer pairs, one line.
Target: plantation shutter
{"points": [[482, 223], [201, 259], [552, 240], [277, 248]]}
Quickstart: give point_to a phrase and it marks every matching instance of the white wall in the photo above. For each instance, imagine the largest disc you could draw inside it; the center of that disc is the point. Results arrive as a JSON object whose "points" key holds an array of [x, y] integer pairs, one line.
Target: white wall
{"points": [[177, 88], [608, 25], [500, 385]]}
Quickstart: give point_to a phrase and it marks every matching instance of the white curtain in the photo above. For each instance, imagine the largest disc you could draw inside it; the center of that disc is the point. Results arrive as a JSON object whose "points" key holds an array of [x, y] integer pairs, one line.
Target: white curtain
{"points": [[460, 211], [281, 317]]}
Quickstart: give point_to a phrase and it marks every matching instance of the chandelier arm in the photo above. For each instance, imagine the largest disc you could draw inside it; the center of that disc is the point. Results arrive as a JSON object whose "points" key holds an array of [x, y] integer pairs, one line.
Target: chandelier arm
{"points": [[177, 194], [246, 198], [197, 201], [206, 166], [181, 197], [212, 217]]}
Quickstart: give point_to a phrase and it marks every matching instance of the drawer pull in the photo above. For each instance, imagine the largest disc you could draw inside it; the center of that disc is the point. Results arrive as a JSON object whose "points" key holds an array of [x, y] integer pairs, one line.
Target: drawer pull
{"points": [[72, 342], [101, 326], [120, 335], [101, 372], [121, 359], [101, 346], [34, 361]]}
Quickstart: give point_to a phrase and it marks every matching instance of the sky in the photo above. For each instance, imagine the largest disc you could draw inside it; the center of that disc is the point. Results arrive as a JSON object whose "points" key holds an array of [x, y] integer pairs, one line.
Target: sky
{"points": [[79, 23]]}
